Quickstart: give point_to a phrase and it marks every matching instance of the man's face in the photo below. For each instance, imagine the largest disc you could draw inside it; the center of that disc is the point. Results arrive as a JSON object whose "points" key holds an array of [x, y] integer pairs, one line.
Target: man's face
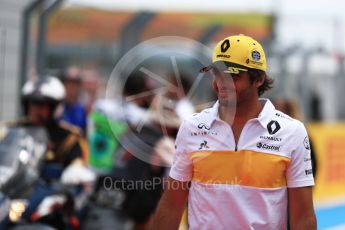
{"points": [[39, 113], [233, 89], [72, 91]]}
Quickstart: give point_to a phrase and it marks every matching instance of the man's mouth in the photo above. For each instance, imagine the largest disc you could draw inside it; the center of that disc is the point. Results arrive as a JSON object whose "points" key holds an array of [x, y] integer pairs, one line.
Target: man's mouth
{"points": [[225, 93]]}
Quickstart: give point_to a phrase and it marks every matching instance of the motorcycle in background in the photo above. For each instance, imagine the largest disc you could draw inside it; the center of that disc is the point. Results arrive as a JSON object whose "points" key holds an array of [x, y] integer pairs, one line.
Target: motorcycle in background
{"points": [[21, 154], [27, 201]]}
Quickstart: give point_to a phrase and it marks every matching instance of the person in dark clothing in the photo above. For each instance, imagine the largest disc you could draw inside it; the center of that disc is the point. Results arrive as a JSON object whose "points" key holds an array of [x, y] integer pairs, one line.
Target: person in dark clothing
{"points": [[143, 163], [40, 100]]}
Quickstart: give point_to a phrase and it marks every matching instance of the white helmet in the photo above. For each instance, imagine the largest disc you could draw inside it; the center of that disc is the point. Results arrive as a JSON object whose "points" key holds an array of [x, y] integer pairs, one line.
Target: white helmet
{"points": [[49, 90]]}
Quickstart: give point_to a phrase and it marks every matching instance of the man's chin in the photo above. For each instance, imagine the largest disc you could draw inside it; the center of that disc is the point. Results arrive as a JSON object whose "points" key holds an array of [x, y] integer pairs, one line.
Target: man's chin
{"points": [[227, 102]]}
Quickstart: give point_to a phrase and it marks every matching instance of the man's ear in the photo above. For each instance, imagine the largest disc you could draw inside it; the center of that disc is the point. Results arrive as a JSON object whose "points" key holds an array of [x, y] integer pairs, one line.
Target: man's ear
{"points": [[260, 81]]}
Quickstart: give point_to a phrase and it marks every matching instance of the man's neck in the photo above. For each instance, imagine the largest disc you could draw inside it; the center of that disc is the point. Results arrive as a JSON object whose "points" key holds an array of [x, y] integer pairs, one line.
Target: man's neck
{"points": [[243, 112]]}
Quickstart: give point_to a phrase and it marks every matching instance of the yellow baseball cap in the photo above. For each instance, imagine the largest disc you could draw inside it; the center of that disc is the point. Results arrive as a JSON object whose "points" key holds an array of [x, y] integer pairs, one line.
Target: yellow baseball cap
{"points": [[238, 53]]}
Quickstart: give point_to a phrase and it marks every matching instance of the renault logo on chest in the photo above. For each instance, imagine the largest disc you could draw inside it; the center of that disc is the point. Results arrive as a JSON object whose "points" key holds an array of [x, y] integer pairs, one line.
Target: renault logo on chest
{"points": [[273, 127]]}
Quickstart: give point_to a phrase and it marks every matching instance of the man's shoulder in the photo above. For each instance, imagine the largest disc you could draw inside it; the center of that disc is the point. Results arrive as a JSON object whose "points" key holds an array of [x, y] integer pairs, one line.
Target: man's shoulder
{"points": [[290, 123], [203, 117], [69, 128]]}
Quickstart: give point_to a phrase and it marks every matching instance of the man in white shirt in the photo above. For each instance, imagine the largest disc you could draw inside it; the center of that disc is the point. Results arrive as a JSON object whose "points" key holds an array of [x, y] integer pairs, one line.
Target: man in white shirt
{"points": [[240, 164]]}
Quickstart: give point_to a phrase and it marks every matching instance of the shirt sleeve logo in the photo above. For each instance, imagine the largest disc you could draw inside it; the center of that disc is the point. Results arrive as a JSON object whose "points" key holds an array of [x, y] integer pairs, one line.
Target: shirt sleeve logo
{"points": [[306, 143], [308, 172], [273, 127]]}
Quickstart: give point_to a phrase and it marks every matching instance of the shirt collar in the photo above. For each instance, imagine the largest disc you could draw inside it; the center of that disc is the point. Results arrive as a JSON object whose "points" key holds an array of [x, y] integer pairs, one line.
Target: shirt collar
{"points": [[211, 114], [267, 112], [264, 117]]}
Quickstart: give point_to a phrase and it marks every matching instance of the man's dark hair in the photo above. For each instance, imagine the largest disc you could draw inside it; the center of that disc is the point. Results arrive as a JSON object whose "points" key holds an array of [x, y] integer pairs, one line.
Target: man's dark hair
{"points": [[135, 84], [255, 75]]}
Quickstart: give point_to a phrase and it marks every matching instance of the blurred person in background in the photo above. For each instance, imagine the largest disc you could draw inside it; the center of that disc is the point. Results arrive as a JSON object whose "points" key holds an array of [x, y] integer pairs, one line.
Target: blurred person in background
{"points": [[73, 112], [107, 124], [177, 92], [147, 165], [64, 160], [218, 151], [41, 99], [291, 108], [147, 144], [93, 88]]}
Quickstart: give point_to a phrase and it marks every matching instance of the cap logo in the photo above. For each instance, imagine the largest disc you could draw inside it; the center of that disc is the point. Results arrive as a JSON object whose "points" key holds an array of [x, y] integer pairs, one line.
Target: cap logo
{"points": [[235, 70], [256, 55], [225, 45]]}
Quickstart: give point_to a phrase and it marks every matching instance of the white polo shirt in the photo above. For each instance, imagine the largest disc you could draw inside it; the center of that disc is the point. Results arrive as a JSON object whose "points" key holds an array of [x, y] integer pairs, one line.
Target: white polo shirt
{"points": [[243, 186]]}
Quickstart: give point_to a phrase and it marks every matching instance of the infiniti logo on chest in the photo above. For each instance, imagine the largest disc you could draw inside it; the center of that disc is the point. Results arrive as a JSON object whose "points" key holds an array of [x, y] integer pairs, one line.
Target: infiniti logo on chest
{"points": [[203, 126]]}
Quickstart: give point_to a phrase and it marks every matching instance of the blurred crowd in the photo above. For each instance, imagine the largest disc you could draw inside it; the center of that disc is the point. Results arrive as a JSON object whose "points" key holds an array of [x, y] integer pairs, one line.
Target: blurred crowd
{"points": [[93, 140]]}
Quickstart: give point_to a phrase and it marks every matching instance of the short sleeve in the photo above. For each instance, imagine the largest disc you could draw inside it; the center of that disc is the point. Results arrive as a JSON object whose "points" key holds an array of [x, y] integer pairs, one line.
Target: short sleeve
{"points": [[299, 172], [181, 168]]}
